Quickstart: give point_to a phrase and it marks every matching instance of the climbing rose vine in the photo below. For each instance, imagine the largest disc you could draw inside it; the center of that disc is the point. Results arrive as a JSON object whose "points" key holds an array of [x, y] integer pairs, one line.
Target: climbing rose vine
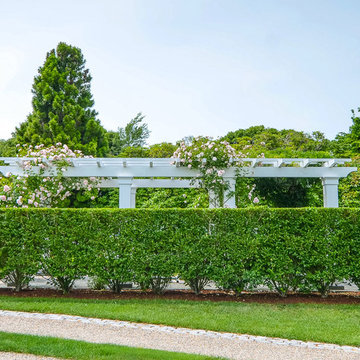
{"points": [[212, 158], [43, 183]]}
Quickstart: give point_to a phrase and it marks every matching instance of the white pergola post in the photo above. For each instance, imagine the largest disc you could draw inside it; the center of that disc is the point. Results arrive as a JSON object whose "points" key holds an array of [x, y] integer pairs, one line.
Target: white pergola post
{"points": [[230, 199], [330, 192], [124, 192], [212, 200], [133, 197]]}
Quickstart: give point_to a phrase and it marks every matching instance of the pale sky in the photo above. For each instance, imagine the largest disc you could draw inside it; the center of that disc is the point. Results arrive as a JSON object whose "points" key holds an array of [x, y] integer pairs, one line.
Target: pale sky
{"points": [[193, 67]]}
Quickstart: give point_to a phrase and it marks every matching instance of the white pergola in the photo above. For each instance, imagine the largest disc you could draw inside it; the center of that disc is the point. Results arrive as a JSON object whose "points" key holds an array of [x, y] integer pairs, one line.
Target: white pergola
{"points": [[129, 174]]}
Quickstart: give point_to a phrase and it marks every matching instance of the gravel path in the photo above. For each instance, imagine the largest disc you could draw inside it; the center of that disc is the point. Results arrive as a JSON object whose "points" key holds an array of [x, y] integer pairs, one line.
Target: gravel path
{"points": [[16, 356], [231, 346]]}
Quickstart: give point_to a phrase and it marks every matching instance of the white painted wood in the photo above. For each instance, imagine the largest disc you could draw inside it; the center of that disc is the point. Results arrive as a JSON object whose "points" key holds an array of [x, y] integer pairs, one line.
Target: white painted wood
{"points": [[305, 163], [164, 183], [173, 171], [124, 192], [170, 162], [230, 199], [133, 197], [212, 200], [330, 163], [152, 183], [330, 192], [149, 170]]}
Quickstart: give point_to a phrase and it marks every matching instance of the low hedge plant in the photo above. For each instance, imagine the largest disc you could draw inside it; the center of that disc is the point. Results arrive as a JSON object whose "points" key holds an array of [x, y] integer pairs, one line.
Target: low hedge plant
{"points": [[287, 249]]}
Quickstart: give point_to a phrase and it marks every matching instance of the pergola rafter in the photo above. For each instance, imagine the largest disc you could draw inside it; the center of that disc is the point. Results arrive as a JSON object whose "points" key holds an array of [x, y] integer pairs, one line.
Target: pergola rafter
{"points": [[128, 174]]}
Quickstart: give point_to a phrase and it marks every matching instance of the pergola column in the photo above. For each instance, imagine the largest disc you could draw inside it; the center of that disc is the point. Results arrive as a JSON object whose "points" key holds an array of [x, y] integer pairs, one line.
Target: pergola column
{"points": [[212, 200], [125, 192], [330, 192], [230, 198], [133, 197]]}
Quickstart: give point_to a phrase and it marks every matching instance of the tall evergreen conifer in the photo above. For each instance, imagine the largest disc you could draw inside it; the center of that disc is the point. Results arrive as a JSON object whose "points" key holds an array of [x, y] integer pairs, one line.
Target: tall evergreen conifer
{"points": [[63, 105]]}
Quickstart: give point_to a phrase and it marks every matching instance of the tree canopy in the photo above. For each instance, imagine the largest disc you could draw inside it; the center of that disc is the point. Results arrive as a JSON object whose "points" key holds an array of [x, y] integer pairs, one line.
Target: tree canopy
{"points": [[63, 105], [280, 143], [134, 134]]}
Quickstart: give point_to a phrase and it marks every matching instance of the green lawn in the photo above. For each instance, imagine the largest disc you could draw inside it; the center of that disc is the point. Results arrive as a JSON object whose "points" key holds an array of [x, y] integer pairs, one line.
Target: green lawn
{"points": [[81, 350], [338, 324]]}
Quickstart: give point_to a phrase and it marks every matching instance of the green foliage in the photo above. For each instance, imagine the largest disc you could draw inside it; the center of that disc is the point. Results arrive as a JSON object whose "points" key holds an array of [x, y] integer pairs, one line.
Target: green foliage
{"points": [[280, 264], [154, 257], [342, 146], [211, 158], [63, 105], [134, 134], [286, 143], [270, 141], [288, 192], [8, 147], [235, 255], [288, 249], [349, 194], [162, 150], [107, 198], [36, 190], [112, 248], [198, 247], [355, 131], [353, 251], [324, 262], [134, 152], [66, 253], [20, 247], [171, 198]]}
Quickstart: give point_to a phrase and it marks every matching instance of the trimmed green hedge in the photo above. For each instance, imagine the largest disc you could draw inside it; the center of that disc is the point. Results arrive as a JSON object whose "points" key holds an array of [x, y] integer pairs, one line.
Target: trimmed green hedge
{"points": [[287, 249]]}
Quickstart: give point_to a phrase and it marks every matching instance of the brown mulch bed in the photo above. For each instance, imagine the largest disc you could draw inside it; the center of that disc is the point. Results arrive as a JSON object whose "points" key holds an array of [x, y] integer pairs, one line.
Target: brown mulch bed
{"points": [[207, 295]]}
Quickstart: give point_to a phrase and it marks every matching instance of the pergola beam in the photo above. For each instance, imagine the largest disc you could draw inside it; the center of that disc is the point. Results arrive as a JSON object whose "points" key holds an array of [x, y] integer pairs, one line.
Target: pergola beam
{"points": [[152, 183], [128, 174], [125, 169]]}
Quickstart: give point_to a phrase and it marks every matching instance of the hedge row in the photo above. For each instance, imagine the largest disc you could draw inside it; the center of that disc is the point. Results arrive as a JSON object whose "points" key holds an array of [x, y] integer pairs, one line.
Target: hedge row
{"points": [[286, 249]]}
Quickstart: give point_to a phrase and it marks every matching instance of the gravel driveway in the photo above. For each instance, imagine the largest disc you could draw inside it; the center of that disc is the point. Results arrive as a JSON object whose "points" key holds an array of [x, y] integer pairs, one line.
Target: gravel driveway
{"points": [[231, 346], [15, 356]]}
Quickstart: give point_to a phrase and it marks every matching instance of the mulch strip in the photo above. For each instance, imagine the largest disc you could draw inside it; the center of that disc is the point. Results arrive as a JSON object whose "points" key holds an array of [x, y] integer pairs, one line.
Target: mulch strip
{"points": [[207, 295]]}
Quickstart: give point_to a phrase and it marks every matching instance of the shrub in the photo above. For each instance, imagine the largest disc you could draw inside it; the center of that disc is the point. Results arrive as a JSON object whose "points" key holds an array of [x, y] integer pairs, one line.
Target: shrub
{"points": [[278, 260], [287, 249], [154, 252], [67, 252], [20, 247], [236, 253], [112, 248], [326, 249], [197, 248]]}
